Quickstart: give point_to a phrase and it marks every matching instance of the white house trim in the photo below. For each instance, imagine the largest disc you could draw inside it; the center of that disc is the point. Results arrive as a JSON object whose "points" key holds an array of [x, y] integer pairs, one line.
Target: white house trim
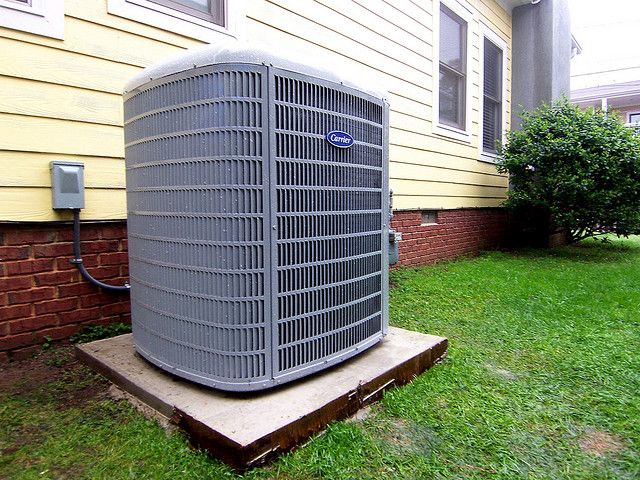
{"points": [[42, 17], [461, 9], [166, 18], [499, 42]]}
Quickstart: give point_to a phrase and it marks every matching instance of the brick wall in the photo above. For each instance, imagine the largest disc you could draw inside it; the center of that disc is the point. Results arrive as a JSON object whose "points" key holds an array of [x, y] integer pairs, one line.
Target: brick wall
{"points": [[457, 232], [42, 294]]}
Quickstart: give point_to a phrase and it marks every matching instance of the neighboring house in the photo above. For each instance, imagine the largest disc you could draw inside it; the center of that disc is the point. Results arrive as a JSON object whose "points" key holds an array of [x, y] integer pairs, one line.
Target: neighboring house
{"points": [[606, 74], [454, 70], [623, 98]]}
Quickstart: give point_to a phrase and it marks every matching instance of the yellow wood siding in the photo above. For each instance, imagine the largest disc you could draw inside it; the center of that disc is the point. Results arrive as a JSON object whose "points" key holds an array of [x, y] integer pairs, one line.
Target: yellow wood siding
{"points": [[61, 100]]}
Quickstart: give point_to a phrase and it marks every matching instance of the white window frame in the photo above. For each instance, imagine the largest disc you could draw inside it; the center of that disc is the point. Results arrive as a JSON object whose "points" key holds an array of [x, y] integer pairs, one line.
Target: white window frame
{"points": [[494, 38], [42, 17], [172, 20], [464, 12], [629, 116]]}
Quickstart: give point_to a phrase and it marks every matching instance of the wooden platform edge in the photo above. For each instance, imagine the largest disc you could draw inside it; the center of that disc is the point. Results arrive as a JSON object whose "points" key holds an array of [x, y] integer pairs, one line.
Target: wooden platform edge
{"points": [[288, 437], [294, 434]]}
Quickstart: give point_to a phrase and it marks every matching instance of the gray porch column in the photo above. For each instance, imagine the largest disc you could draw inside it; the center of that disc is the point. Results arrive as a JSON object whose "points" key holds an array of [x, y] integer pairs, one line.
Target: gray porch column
{"points": [[541, 55]]}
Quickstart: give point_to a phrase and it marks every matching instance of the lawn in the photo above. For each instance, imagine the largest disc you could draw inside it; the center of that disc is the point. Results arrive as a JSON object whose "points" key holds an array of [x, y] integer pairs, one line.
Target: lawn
{"points": [[542, 381]]}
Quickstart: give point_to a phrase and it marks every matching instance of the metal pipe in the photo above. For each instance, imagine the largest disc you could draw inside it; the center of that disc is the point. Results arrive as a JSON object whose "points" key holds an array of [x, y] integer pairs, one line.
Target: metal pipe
{"points": [[77, 260]]}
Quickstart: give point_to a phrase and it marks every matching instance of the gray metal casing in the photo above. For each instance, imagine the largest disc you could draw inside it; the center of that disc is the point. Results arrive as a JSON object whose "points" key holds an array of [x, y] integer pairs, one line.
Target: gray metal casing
{"points": [[67, 185], [258, 251]]}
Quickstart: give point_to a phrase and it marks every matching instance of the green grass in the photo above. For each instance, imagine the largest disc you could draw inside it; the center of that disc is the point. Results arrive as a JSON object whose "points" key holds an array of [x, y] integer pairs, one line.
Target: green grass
{"points": [[542, 381]]}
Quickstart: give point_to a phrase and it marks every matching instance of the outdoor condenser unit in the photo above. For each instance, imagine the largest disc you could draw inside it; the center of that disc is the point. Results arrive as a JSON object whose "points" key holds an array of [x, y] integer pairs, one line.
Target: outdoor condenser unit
{"points": [[258, 214]]}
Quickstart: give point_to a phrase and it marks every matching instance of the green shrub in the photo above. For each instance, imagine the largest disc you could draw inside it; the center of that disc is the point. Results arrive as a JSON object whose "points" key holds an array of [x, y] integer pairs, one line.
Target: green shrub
{"points": [[97, 332], [581, 167]]}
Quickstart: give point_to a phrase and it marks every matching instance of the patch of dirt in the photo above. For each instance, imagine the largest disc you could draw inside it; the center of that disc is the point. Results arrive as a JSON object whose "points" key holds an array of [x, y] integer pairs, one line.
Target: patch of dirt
{"points": [[600, 443], [405, 436], [24, 376], [502, 372], [365, 413], [25, 435], [116, 394], [55, 374], [74, 471], [399, 434]]}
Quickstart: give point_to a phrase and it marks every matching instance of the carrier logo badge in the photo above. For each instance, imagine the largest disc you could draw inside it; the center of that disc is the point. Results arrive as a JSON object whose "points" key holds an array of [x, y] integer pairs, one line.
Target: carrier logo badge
{"points": [[339, 139]]}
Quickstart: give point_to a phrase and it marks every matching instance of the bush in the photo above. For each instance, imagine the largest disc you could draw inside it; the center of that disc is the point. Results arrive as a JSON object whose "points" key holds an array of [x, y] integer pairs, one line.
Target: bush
{"points": [[97, 332], [581, 167]]}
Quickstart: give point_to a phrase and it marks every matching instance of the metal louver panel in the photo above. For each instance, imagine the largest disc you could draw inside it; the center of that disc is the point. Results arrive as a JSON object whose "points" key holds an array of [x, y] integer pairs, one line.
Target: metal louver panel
{"points": [[258, 251], [330, 217], [196, 177]]}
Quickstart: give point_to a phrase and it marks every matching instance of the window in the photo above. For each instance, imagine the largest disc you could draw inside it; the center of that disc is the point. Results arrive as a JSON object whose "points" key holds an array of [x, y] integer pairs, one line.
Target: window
{"points": [[453, 69], [451, 105], [634, 117], [429, 217], [491, 97], [206, 20], [41, 17], [493, 111], [211, 10]]}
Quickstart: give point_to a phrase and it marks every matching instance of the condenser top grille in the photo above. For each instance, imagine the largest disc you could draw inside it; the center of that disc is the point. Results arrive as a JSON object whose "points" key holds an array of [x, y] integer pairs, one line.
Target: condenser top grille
{"points": [[257, 248]]}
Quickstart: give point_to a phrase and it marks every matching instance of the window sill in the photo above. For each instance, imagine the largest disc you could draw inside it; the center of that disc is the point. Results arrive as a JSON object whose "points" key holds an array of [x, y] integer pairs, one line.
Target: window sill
{"points": [[165, 18], [452, 132], [42, 17], [488, 158]]}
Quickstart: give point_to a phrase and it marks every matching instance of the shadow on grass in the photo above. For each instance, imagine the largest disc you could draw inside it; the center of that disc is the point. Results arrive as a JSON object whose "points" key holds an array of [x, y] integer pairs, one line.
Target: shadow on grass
{"points": [[601, 250]]}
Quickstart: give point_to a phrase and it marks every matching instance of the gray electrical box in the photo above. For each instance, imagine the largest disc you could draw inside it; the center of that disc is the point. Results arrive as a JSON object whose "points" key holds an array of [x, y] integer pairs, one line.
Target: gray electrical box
{"points": [[67, 185]]}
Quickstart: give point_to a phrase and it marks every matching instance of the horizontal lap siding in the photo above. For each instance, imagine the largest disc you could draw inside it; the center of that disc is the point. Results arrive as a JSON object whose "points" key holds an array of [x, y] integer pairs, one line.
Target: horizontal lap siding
{"points": [[62, 99], [389, 44]]}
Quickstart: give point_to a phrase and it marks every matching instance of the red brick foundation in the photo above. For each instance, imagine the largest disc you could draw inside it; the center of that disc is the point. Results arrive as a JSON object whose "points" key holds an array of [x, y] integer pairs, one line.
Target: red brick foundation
{"points": [[457, 232], [42, 294]]}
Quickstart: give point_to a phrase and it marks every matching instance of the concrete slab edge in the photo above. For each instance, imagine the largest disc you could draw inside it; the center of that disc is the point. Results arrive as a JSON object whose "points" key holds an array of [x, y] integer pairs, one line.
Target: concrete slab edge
{"points": [[287, 438]]}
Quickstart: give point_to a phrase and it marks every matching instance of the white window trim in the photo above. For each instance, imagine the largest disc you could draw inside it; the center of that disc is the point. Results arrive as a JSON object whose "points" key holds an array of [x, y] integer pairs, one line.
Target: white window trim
{"points": [[464, 12], [42, 17], [631, 113], [166, 18], [501, 44]]}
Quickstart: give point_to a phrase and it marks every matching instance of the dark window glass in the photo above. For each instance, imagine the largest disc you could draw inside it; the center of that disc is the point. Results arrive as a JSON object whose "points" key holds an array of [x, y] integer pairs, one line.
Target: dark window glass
{"points": [[492, 97], [453, 69]]}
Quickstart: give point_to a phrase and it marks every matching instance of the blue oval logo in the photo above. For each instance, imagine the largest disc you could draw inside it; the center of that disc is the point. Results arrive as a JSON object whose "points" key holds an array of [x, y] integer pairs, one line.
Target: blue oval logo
{"points": [[339, 139]]}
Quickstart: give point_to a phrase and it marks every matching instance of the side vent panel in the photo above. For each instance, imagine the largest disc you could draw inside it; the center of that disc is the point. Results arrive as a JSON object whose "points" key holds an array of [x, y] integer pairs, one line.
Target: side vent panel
{"points": [[195, 154]]}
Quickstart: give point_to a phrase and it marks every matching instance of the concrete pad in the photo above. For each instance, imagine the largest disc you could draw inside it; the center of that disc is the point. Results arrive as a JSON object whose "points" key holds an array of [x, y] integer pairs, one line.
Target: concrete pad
{"points": [[245, 429]]}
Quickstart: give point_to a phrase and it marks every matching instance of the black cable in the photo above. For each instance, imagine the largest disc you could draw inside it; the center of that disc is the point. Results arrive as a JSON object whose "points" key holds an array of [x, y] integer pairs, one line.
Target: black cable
{"points": [[77, 260]]}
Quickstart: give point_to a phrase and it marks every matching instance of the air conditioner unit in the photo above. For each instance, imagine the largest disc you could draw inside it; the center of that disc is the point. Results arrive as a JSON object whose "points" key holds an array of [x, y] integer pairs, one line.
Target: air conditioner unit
{"points": [[258, 216]]}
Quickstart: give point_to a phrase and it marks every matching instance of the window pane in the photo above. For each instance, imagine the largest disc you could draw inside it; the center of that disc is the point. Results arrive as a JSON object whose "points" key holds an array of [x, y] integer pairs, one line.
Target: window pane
{"points": [[491, 124], [451, 101], [453, 35], [492, 70], [492, 97], [634, 118], [210, 10], [202, 5]]}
